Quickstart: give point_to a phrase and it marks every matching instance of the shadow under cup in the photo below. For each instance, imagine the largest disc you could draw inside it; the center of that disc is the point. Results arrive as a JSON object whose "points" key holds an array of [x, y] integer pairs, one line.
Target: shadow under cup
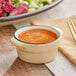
{"points": [[37, 53]]}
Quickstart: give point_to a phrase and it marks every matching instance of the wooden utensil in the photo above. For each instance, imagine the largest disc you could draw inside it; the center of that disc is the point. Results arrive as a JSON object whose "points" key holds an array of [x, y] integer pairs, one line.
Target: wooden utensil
{"points": [[72, 25]]}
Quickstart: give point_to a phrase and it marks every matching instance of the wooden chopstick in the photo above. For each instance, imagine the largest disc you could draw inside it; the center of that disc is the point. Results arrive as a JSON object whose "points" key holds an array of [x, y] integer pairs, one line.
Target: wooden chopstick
{"points": [[71, 26]]}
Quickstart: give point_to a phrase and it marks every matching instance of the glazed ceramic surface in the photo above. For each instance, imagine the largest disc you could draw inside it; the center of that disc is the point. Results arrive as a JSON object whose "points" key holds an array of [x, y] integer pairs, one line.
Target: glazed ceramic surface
{"points": [[37, 52], [15, 19]]}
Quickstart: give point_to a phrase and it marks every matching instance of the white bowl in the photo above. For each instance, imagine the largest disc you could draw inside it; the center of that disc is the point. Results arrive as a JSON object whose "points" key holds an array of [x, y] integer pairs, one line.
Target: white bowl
{"points": [[37, 52], [18, 18]]}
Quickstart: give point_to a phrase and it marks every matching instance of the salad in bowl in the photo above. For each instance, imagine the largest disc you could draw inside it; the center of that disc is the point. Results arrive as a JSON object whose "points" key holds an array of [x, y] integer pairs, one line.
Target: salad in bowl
{"points": [[17, 7]]}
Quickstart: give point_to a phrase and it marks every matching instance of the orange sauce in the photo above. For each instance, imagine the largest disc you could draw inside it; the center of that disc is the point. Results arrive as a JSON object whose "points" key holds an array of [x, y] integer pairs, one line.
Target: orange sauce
{"points": [[37, 36]]}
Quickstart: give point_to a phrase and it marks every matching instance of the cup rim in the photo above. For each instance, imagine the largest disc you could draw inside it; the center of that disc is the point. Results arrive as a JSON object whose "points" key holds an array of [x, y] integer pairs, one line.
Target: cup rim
{"points": [[43, 28]]}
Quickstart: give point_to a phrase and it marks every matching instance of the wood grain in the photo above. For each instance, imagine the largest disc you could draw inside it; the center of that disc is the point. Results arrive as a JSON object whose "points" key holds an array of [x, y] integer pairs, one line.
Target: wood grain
{"points": [[68, 44], [10, 64], [21, 68]]}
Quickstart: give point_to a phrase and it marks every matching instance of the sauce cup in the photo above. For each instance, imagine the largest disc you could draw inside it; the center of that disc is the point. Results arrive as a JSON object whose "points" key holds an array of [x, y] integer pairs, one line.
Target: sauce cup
{"points": [[37, 53]]}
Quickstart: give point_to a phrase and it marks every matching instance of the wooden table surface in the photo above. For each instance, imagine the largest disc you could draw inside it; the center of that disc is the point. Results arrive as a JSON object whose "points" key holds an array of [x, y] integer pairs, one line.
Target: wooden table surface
{"points": [[8, 52], [10, 64]]}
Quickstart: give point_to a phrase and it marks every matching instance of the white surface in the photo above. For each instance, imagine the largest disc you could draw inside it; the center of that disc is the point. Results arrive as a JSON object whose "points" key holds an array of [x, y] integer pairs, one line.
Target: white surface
{"points": [[64, 9], [61, 66]]}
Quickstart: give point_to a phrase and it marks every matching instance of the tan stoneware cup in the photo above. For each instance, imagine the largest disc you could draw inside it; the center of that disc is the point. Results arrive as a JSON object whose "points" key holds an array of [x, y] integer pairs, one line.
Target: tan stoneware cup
{"points": [[37, 53]]}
